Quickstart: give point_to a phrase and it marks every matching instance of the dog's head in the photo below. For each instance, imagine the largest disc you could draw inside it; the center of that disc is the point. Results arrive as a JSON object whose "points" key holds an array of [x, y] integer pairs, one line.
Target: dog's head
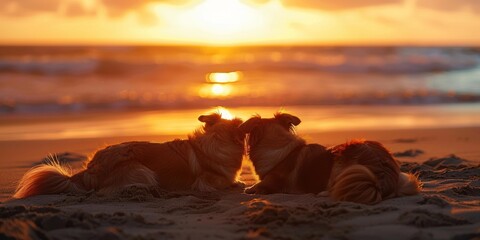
{"points": [[262, 130], [224, 129], [222, 141]]}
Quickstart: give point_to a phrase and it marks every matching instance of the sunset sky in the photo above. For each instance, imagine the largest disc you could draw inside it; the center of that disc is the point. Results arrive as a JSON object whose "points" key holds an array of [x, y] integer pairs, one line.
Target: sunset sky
{"points": [[227, 22]]}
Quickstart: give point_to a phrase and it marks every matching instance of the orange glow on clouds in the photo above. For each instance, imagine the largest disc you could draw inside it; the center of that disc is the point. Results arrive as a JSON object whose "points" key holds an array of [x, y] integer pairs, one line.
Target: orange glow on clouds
{"points": [[231, 22]]}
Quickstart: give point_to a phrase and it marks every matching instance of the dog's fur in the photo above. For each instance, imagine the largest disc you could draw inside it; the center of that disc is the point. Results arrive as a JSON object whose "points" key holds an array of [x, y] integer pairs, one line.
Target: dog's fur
{"points": [[359, 171], [366, 172], [209, 160]]}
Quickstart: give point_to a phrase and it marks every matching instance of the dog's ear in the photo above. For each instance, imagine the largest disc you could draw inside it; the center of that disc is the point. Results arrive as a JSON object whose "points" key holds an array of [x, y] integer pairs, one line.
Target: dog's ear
{"points": [[210, 119], [248, 126], [287, 119]]}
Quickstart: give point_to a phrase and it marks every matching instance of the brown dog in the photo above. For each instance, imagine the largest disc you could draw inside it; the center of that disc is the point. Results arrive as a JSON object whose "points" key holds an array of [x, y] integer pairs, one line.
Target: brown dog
{"points": [[359, 171], [366, 172], [209, 160]]}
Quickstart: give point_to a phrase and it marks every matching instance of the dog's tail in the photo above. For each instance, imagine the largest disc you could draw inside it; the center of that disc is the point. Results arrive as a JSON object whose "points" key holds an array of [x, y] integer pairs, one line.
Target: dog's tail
{"points": [[408, 184], [356, 184], [50, 178]]}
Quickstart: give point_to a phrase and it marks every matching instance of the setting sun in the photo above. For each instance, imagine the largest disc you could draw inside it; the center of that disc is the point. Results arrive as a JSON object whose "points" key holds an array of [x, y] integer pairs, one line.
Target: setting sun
{"points": [[222, 18]]}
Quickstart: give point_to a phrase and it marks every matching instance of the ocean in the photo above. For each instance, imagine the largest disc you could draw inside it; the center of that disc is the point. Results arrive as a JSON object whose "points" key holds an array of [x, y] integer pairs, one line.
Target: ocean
{"points": [[53, 92], [59, 79]]}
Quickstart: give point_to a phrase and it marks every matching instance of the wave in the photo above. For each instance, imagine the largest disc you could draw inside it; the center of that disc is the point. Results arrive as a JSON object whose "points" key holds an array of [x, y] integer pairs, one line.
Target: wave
{"points": [[342, 60], [182, 102], [48, 67], [46, 79], [72, 67]]}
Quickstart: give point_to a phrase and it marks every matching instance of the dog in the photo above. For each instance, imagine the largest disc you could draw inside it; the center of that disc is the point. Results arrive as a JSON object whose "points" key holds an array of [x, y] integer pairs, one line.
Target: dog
{"points": [[366, 172], [357, 171], [207, 161]]}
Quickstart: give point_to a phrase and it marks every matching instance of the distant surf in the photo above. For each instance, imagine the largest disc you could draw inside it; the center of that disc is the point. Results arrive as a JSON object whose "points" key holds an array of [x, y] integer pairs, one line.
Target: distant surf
{"points": [[36, 79]]}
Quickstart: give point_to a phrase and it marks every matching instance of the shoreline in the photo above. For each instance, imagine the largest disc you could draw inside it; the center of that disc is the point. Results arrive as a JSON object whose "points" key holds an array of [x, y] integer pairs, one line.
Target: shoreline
{"points": [[182, 122]]}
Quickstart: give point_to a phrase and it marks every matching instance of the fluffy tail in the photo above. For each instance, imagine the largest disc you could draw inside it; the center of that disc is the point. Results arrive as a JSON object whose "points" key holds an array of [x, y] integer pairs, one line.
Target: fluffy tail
{"points": [[356, 184], [408, 184], [48, 178]]}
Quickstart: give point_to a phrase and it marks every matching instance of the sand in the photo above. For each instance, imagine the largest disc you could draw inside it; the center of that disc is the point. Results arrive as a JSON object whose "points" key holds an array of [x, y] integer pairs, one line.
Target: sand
{"points": [[446, 160]]}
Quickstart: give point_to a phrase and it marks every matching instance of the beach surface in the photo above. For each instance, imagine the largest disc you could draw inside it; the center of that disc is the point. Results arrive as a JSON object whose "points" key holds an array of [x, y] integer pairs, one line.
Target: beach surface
{"points": [[445, 157]]}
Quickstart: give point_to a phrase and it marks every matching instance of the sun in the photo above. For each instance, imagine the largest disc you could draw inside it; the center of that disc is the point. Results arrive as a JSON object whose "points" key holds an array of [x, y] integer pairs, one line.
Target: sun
{"points": [[224, 17]]}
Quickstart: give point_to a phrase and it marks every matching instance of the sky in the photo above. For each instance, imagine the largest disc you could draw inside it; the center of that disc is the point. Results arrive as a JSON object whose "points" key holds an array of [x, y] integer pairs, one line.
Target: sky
{"points": [[241, 22]]}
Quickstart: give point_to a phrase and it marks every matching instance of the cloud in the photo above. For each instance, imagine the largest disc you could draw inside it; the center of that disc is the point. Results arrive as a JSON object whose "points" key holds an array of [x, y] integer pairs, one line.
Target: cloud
{"points": [[25, 8], [75, 8], [449, 5], [120, 7], [332, 5], [29, 7], [336, 5]]}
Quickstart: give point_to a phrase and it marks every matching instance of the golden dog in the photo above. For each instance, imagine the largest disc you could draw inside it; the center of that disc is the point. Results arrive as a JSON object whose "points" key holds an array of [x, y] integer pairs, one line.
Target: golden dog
{"points": [[208, 160], [358, 171]]}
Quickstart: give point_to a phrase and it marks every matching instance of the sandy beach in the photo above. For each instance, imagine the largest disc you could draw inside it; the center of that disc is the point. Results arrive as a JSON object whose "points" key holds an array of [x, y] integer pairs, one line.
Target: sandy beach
{"points": [[77, 76], [445, 159]]}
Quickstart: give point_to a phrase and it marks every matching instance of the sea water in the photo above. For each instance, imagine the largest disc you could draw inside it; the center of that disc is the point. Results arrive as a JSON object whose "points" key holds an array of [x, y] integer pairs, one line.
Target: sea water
{"points": [[399, 86]]}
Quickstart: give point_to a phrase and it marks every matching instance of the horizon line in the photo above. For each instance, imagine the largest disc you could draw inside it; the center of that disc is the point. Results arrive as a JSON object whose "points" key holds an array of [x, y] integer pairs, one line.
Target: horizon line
{"points": [[194, 45]]}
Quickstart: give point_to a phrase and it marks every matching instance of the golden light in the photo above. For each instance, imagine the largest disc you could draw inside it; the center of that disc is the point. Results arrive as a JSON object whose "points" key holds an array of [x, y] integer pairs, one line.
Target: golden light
{"points": [[219, 84], [224, 17], [219, 90], [215, 90], [223, 77], [225, 113]]}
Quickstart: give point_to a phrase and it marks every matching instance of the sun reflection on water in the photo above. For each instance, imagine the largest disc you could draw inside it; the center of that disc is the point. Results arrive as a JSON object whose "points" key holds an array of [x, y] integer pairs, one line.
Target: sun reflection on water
{"points": [[223, 77], [221, 90], [219, 84]]}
